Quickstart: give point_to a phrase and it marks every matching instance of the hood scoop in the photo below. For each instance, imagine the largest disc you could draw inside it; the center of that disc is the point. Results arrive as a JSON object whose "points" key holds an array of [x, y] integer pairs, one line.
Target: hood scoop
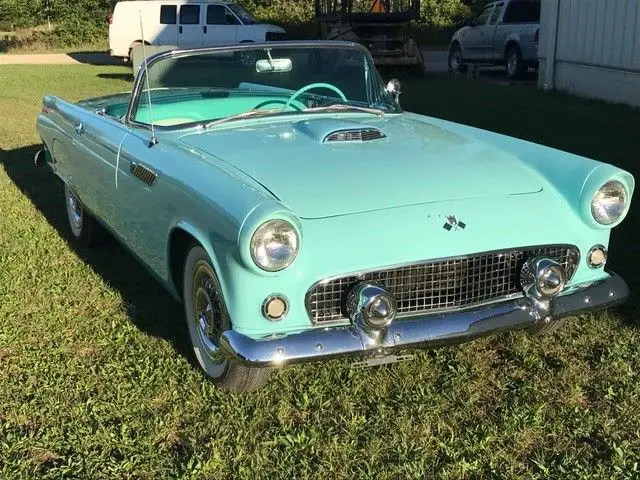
{"points": [[338, 130], [355, 135]]}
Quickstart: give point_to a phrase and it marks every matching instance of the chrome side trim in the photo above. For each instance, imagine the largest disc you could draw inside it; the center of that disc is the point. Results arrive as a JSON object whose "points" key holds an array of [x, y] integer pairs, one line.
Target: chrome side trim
{"points": [[40, 157], [418, 332]]}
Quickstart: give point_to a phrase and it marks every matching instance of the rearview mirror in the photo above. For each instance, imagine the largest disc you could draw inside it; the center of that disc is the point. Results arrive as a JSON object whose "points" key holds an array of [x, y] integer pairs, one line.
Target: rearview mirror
{"points": [[274, 65]]}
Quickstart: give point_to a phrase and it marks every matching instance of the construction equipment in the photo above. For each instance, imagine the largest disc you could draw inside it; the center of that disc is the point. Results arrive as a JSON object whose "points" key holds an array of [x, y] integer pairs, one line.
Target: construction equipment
{"points": [[380, 25]]}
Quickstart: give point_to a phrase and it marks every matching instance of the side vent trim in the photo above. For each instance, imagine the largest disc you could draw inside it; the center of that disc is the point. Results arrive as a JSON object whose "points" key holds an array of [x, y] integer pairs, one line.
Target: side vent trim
{"points": [[143, 174], [358, 135]]}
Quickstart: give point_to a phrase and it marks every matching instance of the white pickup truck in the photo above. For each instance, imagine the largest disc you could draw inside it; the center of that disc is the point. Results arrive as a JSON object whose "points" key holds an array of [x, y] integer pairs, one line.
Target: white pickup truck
{"points": [[505, 33], [184, 24]]}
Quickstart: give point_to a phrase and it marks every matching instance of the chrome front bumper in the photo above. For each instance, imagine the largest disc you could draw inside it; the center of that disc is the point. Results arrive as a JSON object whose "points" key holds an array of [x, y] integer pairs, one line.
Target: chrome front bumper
{"points": [[418, 332]]}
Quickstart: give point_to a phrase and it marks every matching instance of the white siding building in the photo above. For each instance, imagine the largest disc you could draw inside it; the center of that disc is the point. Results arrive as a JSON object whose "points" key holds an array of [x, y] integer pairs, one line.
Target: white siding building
{"points": [[591, 48]]}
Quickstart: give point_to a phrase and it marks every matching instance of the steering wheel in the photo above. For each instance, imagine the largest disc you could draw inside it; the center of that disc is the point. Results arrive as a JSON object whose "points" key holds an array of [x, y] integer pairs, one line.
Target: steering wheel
{"points": [[276, 102], [311, 86]]}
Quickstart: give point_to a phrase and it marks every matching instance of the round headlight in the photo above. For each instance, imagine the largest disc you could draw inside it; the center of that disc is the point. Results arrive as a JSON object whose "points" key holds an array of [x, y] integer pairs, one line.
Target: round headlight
{"points": [[274, 245], [610, 203]]}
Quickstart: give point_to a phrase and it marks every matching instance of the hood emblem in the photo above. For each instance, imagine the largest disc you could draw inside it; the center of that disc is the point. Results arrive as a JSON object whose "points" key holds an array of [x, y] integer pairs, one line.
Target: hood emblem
{"points": [[454, 224]]}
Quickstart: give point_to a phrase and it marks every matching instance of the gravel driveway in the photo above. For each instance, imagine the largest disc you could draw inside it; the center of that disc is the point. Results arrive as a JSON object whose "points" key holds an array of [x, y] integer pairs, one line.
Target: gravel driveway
{"points": [[92, 58], [436, 60]]}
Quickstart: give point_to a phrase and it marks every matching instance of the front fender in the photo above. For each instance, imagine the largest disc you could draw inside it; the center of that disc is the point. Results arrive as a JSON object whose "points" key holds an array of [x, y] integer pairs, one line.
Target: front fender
{"points": [[575, 178], [457, 37], [199, 237]]}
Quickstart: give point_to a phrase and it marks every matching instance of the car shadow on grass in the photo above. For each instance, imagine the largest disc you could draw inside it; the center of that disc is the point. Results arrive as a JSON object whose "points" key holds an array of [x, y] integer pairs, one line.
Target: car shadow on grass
{"points": [[94, 58], [149, 306]]}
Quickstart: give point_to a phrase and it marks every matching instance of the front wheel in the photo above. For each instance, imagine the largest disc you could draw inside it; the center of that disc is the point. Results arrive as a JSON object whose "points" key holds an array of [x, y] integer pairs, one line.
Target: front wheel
{"points": [[456, 64], [248, 58], [207, 319]]}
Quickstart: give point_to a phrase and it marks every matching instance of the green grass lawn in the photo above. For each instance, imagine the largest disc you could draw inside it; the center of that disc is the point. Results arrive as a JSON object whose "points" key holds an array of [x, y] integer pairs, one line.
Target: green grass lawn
{"points": [[96, 379], [39, 40]]}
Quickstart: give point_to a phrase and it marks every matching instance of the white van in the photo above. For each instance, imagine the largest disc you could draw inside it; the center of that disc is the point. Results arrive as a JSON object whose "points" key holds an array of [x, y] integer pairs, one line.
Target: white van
{"points": [[184, 24]]}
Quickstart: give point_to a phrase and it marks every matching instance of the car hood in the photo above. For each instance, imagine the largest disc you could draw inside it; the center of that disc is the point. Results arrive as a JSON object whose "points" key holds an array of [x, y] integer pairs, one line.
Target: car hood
{"points": [[414, 162]]}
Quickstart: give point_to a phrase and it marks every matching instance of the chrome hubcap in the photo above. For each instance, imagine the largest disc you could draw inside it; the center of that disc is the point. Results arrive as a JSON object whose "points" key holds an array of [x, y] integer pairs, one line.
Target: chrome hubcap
{"points": [[75, 211], [207, 311], [247, 58], [455, 60]]}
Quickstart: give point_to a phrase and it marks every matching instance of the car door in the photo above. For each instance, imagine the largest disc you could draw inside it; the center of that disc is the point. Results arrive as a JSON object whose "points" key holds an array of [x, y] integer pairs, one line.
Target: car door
{"points": [[474, 39], [190, 26], [168, 31], [146, 198], [93, 145], [221, 26], [494, 32], [133, 196]]}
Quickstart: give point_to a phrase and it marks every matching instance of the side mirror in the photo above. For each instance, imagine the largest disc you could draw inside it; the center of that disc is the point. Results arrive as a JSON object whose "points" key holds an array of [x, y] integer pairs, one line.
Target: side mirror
{"points": [[394, 89]]}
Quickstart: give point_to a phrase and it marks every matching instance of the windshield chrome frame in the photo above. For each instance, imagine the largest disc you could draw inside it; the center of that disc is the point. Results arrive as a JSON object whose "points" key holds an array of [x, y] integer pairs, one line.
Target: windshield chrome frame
{"points": [[138, 84]]}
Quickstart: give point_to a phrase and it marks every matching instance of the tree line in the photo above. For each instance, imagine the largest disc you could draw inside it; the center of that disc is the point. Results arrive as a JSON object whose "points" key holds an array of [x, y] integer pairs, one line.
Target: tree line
{"points": [[80, 20], [30, 13]]}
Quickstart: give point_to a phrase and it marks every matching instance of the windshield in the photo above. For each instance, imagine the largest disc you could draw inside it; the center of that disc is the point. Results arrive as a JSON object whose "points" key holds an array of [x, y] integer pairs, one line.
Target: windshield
{"points": [[216, 86], [242, 14]]}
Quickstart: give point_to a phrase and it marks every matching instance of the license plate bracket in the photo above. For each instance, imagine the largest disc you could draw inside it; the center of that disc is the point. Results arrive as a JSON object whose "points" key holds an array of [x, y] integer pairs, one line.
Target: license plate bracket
{"points": [[378, 360]]}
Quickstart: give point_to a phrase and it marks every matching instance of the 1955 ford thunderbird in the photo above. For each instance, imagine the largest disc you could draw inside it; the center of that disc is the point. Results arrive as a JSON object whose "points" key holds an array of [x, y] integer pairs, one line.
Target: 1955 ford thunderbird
{"points": [[283, 195]]}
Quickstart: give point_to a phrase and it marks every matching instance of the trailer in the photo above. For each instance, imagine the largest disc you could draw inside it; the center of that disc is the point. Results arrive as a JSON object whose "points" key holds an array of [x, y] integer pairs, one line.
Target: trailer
{"points": [[380, 25]]}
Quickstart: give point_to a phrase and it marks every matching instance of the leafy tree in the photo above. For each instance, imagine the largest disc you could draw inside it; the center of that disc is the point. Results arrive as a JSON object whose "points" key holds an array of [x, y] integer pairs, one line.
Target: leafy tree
{"points": [[84, 20], [282, 11]]}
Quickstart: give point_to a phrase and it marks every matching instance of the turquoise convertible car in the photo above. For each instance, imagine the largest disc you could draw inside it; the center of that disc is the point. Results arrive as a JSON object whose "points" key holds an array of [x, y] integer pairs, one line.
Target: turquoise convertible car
{"points": [[300, 214]]}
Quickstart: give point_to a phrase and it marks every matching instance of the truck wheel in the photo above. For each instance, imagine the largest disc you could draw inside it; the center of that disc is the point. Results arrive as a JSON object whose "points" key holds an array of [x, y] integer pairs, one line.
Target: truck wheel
{"points": [[85, 229], [514, 65], [207, 319], [456, 63], [129, 58], [248, 58], [137, 43]]}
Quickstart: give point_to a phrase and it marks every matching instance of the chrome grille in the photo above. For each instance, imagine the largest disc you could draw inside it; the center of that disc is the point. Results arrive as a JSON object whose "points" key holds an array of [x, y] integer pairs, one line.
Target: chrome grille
{"points": [[360, 135], [439, 285]]}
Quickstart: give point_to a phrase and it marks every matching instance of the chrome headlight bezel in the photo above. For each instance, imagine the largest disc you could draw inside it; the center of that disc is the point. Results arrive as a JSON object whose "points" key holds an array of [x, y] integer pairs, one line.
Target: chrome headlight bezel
{"points": [[274, 258], [606, 212]]}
